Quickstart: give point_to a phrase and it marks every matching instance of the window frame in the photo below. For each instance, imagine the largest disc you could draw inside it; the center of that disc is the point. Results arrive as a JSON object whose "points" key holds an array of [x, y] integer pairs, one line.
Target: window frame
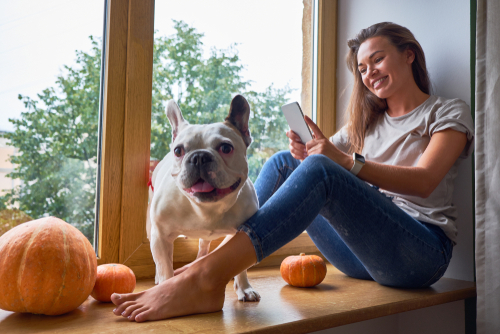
{"points": [[326, 99], [126, 133]]}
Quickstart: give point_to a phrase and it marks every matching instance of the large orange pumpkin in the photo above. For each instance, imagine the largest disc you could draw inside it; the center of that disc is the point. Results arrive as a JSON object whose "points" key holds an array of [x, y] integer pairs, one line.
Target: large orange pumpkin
{"points": [[111, 278], [303, 270], [47, 267]]}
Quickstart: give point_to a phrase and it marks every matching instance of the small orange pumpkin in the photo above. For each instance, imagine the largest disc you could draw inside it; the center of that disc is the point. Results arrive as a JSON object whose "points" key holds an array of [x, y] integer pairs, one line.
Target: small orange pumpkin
{"points": [[111, 278], [303, 270], [47, 267]]}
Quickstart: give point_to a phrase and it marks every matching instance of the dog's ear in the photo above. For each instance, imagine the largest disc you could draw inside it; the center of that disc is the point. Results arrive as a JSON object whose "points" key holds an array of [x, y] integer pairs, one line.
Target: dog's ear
{"points": [[175, 118], [239, 113]]}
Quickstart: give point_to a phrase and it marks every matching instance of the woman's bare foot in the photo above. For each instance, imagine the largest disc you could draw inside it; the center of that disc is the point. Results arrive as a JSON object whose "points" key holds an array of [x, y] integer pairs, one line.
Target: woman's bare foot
{"points": [[180, 295], [200, 289], [182, 269]]}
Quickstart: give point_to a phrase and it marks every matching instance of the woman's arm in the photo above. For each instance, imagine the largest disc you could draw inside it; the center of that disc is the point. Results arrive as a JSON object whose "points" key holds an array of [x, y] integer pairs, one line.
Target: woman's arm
{"points": [[443, 150], [439, 156]]}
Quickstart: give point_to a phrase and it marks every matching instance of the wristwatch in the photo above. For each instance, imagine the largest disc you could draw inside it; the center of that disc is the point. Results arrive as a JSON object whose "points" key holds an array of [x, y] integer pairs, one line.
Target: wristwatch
{"points": [[359, 162]]}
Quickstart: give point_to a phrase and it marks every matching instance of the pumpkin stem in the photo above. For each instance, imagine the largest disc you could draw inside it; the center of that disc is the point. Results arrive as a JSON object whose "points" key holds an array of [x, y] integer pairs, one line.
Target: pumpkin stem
{"points": [[302, 254]]}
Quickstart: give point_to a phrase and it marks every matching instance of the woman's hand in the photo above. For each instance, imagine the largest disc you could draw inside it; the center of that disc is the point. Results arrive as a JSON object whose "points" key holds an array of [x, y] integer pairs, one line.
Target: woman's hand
{"points": [[297, 149], [321, 145]]}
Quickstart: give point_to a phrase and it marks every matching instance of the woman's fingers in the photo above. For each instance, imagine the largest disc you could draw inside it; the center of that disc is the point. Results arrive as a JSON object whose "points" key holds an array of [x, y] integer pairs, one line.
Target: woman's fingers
{"points": [[315, 129], [293, 136], [296, 147], [299, 153], [312, 144]]}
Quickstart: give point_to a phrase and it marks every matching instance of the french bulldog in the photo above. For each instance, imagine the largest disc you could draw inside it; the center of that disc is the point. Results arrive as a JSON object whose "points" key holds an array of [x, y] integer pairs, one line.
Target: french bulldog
{"points": [[201, 188]]}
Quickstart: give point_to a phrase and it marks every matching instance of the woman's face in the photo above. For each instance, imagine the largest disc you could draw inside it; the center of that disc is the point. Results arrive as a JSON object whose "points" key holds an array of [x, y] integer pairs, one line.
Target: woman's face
{"points": [[385, 71]]}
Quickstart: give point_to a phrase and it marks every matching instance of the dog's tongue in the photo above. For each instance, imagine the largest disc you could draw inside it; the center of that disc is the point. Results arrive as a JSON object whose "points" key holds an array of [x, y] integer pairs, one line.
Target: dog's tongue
{"points": [[202, 187]]}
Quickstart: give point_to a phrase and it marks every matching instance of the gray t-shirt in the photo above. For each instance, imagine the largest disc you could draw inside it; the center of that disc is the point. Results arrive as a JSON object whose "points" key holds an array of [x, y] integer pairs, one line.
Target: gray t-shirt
{"points": [[401, 141]]}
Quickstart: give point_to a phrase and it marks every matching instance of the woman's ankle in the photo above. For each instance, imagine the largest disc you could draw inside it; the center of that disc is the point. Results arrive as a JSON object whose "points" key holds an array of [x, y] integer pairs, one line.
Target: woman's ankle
{"points": [[207, 276], [219, 267]]}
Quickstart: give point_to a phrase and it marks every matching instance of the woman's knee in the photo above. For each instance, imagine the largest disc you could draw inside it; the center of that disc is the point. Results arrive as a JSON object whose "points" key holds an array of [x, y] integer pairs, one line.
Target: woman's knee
{"points": [[283, 155], [321, 163], [283, 158], [275, 171], [286, 158]]}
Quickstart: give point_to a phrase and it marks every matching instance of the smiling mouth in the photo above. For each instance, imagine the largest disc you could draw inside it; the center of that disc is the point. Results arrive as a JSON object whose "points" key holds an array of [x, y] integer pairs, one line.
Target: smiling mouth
{"points": [[205, 192], [377, 83]]}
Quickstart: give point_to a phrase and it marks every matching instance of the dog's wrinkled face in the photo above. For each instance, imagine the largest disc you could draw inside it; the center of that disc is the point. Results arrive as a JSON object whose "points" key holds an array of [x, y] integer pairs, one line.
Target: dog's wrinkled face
{"points": [[210, 160]]}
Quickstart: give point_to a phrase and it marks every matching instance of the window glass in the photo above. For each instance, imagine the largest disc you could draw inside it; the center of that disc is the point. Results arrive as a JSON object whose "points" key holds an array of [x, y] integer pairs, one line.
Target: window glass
{"points": [[50, 60], [206, 52]]}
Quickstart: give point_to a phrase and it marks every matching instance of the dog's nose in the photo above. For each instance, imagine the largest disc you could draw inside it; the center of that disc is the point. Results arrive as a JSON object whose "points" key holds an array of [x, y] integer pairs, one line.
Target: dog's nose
{"points": [[200, 158]]}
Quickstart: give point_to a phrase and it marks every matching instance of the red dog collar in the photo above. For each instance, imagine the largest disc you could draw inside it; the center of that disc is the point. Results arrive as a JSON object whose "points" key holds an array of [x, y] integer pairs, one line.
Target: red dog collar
{"points": [[150, 184]]}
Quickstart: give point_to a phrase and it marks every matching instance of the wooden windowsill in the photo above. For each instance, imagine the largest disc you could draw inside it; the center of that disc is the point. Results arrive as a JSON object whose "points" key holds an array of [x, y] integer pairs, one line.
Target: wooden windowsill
{"points": [[337, 301], [186, 250]]}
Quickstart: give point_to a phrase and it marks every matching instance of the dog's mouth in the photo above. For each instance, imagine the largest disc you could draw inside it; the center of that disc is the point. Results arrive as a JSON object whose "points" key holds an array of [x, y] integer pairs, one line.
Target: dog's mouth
{"points": [[206, 192]]}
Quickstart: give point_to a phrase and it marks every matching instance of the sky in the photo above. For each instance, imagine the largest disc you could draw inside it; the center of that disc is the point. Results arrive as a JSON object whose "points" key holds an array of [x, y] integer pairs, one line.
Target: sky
{"points": [[37, 38]]}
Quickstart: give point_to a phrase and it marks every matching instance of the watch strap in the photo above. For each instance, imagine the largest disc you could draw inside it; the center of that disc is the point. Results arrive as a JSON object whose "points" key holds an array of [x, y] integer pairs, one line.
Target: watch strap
{"points": [[358, 163]]}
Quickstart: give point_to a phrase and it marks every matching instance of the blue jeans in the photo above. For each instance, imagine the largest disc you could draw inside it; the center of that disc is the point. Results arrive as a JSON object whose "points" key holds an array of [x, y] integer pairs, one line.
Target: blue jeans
{"points": [[356, 227]]}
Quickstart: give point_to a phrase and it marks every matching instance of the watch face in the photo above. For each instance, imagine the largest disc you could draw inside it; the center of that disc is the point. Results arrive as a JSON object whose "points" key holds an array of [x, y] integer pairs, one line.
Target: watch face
{"points": [[359, 158]]}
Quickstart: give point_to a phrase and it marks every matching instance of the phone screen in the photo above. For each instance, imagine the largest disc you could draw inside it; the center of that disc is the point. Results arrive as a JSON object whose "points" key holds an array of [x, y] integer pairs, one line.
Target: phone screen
{"points": [[296, 122]]}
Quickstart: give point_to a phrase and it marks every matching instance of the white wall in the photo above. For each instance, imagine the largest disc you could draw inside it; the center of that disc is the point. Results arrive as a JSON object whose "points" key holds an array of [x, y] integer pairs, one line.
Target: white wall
{"points": [[443, 29]]}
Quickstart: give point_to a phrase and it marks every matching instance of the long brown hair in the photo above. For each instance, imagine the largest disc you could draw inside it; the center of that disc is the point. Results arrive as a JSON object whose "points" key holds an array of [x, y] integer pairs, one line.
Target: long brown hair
{"points": [[365, 107]]}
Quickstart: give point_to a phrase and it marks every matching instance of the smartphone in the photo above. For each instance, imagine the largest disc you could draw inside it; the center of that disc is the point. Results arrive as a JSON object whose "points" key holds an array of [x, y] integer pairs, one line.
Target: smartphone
{"points": [[296, 122]]}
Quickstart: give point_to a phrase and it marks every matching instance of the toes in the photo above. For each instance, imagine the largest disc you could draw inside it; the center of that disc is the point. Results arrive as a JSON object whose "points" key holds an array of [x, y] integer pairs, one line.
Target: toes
{"points": [[130, 309], [121, 308], [119, 299], [140, 315]]}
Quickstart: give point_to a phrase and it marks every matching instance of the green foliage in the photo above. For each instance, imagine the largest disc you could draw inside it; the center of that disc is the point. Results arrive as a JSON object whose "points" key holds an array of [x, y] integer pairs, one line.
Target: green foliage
{"points": [[57, 142], [56, 136], [203, 89], [267, 127]]}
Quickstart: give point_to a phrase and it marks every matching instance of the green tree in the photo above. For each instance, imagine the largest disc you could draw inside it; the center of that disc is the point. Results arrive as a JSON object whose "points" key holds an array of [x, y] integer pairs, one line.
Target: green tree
{"points": [[57, 134], [57, 142], [203, 88]]}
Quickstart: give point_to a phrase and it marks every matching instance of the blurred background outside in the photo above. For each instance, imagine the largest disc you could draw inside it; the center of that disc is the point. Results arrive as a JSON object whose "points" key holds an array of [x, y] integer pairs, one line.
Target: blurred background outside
{"points": [[205, 52]]}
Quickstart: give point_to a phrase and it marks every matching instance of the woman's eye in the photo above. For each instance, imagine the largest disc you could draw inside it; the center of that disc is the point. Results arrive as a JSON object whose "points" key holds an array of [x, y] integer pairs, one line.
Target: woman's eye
{"points": [[226, 148], [378, 59], [362, 71], [178, 151]]}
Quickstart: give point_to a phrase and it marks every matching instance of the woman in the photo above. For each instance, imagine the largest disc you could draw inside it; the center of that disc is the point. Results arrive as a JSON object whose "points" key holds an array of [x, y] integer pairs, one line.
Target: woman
{"points": [[401, 236]]}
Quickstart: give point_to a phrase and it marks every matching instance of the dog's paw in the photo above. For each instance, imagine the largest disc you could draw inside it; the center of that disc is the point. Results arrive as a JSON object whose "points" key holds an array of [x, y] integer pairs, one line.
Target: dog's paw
{"points": [[247, 295], [244, 290]]}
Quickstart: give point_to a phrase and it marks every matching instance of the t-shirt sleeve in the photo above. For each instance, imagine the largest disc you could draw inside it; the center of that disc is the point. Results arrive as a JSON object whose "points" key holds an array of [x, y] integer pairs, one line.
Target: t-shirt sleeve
{"points": [[455, 115], [341, 140]]}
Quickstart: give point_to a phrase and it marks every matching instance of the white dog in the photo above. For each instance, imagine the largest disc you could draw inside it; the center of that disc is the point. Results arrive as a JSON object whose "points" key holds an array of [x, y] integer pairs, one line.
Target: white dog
{"points": [[202, 189]]}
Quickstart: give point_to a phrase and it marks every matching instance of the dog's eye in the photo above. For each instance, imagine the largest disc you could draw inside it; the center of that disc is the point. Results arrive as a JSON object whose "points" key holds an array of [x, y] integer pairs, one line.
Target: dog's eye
{"points": [[178, 151], [226, 148]]}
